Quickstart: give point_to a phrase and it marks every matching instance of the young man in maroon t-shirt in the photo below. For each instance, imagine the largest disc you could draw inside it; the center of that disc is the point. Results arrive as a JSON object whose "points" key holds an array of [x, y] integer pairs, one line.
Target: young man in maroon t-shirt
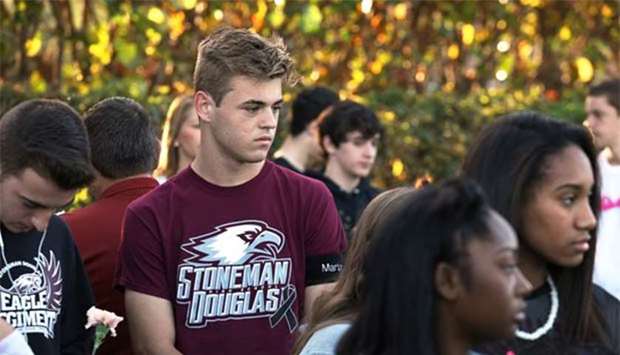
{"points": [[227, 256]]}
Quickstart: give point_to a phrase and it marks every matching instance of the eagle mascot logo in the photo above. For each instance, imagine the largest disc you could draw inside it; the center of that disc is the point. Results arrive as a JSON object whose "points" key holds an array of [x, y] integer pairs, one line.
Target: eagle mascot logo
{"points": [[235, 244], [45, 278]]}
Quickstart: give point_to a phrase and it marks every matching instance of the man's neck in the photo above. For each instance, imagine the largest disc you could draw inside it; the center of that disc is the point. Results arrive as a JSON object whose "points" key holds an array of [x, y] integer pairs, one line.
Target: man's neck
{"points": [[294, 152], [225, 172], [345, 181], [613, 154], [98, 187]]}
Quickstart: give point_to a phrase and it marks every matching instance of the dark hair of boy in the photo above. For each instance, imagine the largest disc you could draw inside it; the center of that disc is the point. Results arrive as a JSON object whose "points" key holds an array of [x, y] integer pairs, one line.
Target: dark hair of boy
{"points": [[348, 116], [308, 105], [49, 137], [122, 140], [610, 89], [228, 52]]}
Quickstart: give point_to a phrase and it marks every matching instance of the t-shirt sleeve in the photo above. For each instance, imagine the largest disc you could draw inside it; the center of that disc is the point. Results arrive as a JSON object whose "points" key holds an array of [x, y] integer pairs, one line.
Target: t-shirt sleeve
{"points": [[325, 240], [141, 266]]}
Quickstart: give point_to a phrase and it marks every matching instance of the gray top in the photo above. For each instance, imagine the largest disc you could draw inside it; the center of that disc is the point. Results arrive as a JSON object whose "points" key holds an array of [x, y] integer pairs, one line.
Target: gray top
{"points": [[325, 341], [14, 344]]}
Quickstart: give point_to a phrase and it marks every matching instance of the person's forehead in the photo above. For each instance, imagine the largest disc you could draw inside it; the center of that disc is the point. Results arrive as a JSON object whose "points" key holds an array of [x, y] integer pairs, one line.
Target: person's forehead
{"points": [[244, 88], [42, 190], [599, 102], [570, 166], [501, 231]]}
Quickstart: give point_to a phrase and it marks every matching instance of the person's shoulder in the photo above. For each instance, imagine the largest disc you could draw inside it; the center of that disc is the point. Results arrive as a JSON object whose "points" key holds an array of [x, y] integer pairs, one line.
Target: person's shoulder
{"points": [[58, 226], [325, 340], [604, 299], [285, 163], [294, 178], [368, 189], [316, 175], [81, 214], [333, 330], [157, 196], [329, 184], [609, 307], [60, 235]]}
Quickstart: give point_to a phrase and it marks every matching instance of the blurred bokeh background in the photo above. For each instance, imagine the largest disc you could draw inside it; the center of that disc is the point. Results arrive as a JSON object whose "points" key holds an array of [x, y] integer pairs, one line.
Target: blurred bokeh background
{"points": [[434, 71]]}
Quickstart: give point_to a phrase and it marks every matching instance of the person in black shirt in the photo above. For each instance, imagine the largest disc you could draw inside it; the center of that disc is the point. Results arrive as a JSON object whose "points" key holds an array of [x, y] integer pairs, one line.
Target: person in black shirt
{"points": [[350, 135], [541, 175], [44, 291], [301, 148]]}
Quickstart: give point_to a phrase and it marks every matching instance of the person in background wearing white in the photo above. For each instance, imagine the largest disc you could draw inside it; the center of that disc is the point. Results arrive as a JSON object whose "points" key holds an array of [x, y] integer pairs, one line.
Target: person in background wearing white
{"points": [[603, 120]]}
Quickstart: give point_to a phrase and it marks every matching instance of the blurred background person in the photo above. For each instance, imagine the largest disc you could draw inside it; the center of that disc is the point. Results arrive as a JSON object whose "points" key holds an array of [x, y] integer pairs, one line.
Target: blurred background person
{"points": [[349, 134], [180, 138], [301, 148], [603, 120]]}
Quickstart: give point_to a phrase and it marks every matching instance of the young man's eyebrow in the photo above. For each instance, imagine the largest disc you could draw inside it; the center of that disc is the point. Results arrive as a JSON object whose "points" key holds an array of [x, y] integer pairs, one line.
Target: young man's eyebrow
{"points": [[260, 103], [253, 102], [34, 204]]}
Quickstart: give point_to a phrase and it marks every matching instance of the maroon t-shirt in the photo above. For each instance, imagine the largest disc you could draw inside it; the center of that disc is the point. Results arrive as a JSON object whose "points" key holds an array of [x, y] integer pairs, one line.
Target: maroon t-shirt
{"points": [[233, 261]]}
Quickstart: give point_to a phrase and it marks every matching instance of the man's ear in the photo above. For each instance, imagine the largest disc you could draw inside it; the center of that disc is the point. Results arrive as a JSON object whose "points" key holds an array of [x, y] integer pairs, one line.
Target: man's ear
{"points": [[448, 281], [328, 145], [204, 105], [313, 128]]}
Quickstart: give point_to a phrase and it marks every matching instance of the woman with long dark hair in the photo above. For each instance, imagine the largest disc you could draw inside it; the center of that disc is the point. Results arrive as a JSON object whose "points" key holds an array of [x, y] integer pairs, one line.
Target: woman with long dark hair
{"points": [[438, 276], [541, 175]]}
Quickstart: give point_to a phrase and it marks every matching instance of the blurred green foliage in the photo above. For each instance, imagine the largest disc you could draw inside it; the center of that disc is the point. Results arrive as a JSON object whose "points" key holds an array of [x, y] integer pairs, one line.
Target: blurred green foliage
{"points": [[435, 71]]}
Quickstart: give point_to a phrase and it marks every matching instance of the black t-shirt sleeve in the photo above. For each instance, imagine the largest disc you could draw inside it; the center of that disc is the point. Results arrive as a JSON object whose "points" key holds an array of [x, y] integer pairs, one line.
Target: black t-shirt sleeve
{"points": [[323, 268], [325, 240]]}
